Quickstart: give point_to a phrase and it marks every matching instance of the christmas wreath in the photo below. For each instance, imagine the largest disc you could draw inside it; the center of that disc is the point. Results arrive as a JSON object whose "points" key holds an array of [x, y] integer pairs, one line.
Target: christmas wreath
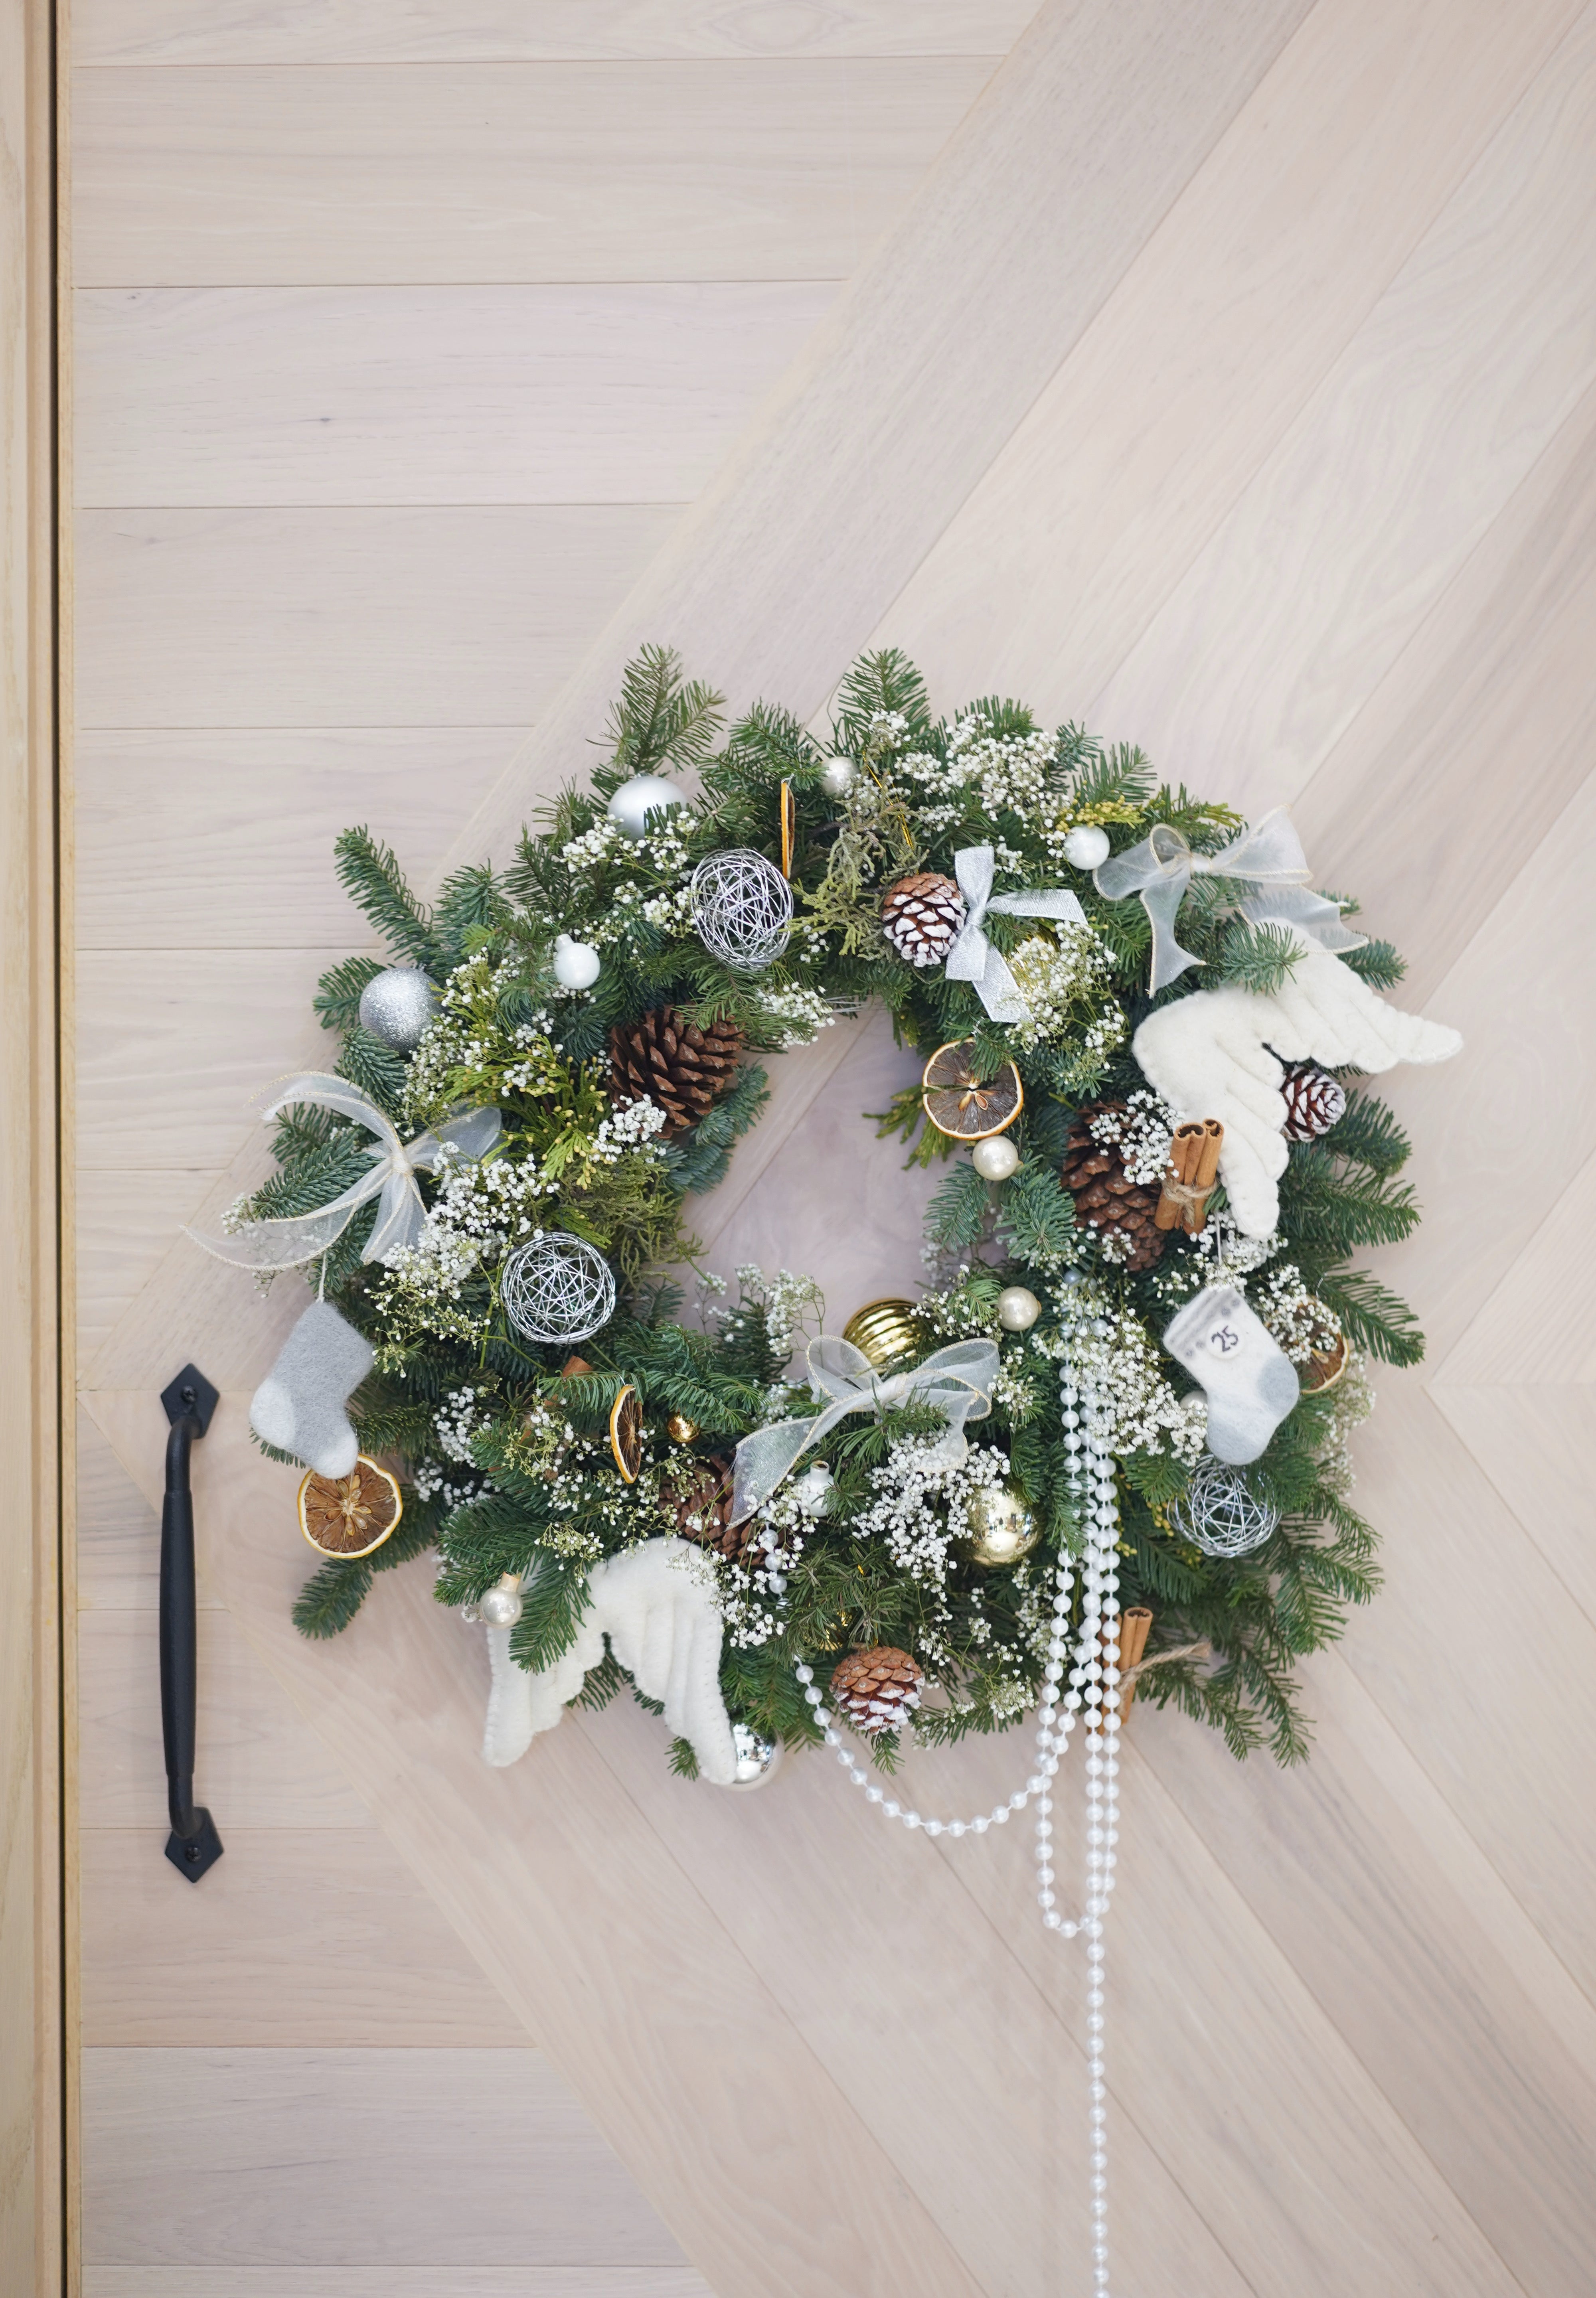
{"points": [[1114, 1427]]}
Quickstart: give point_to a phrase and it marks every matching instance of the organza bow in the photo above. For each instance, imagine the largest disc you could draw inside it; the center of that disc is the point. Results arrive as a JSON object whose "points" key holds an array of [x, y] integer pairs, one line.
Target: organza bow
{"points": [[1269, 853], [972, 957], [285, 1243], [957, 1380]]}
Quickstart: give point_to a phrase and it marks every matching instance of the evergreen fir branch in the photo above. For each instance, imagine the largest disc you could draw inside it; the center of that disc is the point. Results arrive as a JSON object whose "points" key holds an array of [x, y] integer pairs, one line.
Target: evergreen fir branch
{"points": [[1036, 1215], [331, 1597], [661, 719], [1334, 1213], [469, 902], [376, 1067], [554, 1603], [684, 1758], [1260, 959], [1119, 776], [338, 997], [957, 1213], [370, 874], [883, 684], [1376, 962], [1375, 1319], [1368, 1135]]}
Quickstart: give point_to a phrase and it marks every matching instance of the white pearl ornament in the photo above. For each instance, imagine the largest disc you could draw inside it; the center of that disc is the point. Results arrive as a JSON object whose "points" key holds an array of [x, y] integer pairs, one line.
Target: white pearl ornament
{"points": [[500, 1607], [636, 801], [1018, 1308], [838, 777], [996, 1158], [1085, 846], [576, 962]]}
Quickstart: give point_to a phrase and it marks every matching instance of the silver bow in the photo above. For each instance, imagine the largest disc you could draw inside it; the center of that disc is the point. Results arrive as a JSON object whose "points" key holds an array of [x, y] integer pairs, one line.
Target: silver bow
{"points": [[972, 957], [1269, 853], [286, 1244], [957, 1380]]}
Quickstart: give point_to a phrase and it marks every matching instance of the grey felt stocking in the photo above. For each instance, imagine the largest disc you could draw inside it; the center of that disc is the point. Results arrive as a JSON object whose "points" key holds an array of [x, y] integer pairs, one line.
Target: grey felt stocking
{"points": [[299, 1406]]}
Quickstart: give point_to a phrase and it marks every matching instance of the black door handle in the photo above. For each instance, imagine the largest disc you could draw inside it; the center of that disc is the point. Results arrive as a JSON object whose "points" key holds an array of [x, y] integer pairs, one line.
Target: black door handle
{"points": [[194, 1844]]}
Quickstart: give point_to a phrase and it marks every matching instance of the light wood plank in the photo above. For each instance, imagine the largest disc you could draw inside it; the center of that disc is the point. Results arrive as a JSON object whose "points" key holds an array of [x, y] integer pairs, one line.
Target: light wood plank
{"points": [[1536, 1445], [266, 880], [432, 31], [119, 1533], [1479, 350], [260, 1767], [126, 1219], [1255, 281], [296, 1938], [340, 395], [396, 2282], [438, 2157], [504, 171], [431, 618], [1534, 1329]]}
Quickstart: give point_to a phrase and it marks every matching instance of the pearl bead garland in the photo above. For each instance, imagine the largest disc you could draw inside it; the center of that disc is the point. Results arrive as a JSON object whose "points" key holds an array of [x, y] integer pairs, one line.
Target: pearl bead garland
{"points": [[1094, 1686]]}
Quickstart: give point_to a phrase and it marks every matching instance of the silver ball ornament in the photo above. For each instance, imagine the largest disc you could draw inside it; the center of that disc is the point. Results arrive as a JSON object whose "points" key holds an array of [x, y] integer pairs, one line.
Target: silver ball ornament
{"points": [[576, 964], [397, 1005], [996, 1159], [1220, 1513], [500, 1607], [837, 776], [557, 1288], [1002, 1527], [1087, 847], [741, 908], [636, 801], [757, 1758], [1018, 1308]]}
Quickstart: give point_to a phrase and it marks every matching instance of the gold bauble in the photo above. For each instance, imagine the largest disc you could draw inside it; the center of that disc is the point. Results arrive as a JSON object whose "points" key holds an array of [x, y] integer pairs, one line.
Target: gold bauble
{"points": [[681, 1430], [887, 1332], [1002, 1528]]}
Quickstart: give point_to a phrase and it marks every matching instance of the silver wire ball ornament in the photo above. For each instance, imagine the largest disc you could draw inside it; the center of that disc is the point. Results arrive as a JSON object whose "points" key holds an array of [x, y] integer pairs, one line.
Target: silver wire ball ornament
{"points": [[1220, 1513], [557, 1288], [397, 1005], [742, 909]]}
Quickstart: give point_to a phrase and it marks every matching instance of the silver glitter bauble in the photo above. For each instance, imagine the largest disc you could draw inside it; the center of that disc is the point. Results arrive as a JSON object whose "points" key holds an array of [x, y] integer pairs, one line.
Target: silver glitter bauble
{"points": [[1018, 1308], [636, 801], [576, 964], [397, 1005], [996, 1158], [1087, 847], [742, 909], [757, 1758], [557, 1288], [837, 776], [500, 1607], [1220, 1513]]}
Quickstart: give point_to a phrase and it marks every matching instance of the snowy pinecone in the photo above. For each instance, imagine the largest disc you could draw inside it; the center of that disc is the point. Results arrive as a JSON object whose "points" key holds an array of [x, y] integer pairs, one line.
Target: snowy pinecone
{"points": [[699, 1496], [877, 1689], [1106, 1198], [1314, 1102], [922, 916]]}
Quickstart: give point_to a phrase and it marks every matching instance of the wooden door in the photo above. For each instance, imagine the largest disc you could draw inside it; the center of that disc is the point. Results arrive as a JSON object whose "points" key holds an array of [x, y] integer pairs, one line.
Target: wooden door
{"points": [[1223, 377]]}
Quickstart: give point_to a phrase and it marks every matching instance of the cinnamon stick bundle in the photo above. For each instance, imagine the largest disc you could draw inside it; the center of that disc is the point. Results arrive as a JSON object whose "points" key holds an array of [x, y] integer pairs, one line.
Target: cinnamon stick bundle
{"points": [[1135, 1625], [1190, 1175]]}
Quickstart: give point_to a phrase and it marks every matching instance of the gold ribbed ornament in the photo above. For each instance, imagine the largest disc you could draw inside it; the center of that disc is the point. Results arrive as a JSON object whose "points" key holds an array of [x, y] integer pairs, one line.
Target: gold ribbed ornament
{"points": [[1002, 1528], [888, 1332]]}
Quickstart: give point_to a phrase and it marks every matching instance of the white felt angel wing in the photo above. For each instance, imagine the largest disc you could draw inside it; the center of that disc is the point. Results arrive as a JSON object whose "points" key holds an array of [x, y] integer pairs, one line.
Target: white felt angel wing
{"points": [[1213, 1054], [664, 1626]]}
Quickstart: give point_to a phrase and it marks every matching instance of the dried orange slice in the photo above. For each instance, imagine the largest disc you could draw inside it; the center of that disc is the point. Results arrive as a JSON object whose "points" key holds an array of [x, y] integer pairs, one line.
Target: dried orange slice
{"points": [[347, 1516], [788, 829], [964, 1106], [627, 1433]]}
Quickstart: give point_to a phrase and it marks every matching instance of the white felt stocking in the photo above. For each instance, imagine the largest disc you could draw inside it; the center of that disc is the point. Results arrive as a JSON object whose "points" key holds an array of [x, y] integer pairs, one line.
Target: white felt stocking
{"points": [[299, 1406], [664, 1626], [1251, 1385]]}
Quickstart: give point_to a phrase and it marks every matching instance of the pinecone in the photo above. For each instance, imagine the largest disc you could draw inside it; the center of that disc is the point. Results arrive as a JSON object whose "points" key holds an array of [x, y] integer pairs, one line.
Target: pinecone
{"points": [[663, 1059], [1314, 1102], [699, 1497], [921, 915], [877, 1689], [1106, 1198]]}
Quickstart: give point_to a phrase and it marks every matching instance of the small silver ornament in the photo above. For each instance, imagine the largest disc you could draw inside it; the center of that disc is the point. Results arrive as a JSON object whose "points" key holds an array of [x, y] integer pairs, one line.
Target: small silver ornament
{"points": [[1018, 1308], [557, 1288], [397, 1005], [576, 964], [1002, 1528], [1220, 1513], [742, 909], [1087, 847], [996, 1159], [837, 776], [636, 801], [500, 1607], [758, 1758]]}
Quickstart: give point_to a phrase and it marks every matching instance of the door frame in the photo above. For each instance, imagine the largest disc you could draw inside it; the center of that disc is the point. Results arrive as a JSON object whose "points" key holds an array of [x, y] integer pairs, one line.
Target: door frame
{"points": [[37, 2161]]}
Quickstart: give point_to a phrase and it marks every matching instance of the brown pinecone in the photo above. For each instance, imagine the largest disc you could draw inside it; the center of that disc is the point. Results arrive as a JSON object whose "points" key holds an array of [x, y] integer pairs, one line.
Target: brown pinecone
{"points": [[1106, 1198], [877, 1689], [921, 915], [1314, 1102], [662, 1058], [698, 1495]]}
